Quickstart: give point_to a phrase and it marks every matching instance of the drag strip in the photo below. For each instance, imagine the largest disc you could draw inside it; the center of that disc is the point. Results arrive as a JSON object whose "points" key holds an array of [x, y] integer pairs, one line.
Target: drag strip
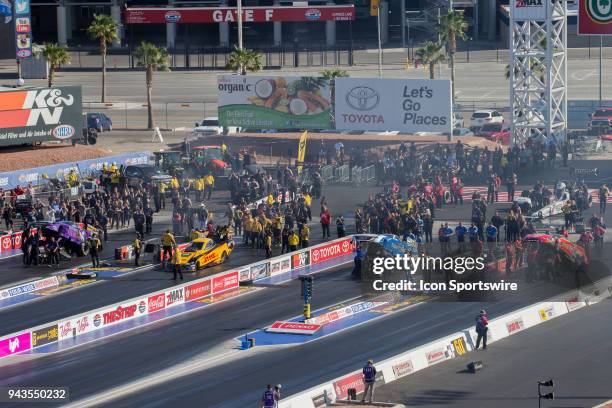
{"points": [[571, 350], [125, 358]]}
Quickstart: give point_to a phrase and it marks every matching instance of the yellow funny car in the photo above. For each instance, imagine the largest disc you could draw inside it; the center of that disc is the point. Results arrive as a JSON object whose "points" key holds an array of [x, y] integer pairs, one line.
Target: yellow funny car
{"points": [[202, 252]]}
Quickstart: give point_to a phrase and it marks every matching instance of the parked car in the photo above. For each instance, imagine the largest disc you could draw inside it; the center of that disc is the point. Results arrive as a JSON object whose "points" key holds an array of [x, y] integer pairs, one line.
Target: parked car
{"points": [[462, 132], [145, 173], [210, 126], [482, 117], [458, 121], [489, 129], [600, 121], [99, 121]]}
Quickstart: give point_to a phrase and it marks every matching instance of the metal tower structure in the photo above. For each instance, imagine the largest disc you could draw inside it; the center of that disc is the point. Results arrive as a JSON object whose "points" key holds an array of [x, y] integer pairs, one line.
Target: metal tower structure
{"points": [[538, 70]]}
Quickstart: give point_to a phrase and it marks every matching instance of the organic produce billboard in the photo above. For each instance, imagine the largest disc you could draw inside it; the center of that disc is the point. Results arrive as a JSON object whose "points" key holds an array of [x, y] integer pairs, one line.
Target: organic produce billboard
{"points": [[274, 102]]}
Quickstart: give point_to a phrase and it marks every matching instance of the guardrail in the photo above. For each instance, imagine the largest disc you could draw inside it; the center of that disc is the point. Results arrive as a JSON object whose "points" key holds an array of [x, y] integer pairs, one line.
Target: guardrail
{"points": [[101, 318], [449, 347]]}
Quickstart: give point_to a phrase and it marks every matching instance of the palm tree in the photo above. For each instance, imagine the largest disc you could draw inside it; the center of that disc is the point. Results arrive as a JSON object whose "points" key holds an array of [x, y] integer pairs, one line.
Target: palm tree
{"points": [[55, 55], [243, 60], [452, 27], [331, 75], [103, 29], [430, 53], [152, 59]]}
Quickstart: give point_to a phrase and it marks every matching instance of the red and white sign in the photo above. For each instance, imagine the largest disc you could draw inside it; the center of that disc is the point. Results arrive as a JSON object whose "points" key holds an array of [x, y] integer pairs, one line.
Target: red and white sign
{"points": [[515, 325], [15, 344], [294, 328], [436, 355], [157, 302], [159, 15], [574, 304], [342, 386], [403, 368], [594, 17], [225, 282], [330, 251], [197, 290]]}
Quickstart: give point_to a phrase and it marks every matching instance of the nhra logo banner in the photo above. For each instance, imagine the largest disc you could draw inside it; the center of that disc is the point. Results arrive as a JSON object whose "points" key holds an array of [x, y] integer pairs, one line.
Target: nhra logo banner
{"points": [[330, 251], [41, 114], [300, 260], [594, 17]]}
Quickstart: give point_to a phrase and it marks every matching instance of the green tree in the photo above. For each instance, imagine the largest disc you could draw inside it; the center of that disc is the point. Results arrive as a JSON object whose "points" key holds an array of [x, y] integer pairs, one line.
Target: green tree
{"points": [[103, 29], [430, 53], [152, 59], [331, 75], [452, 27], [244, 60], [55, 55]]}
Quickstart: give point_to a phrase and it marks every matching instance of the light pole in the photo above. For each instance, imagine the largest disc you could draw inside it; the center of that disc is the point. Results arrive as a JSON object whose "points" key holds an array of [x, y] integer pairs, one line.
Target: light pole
{"points": [[600, 74], [379, 42], [239, 11]]}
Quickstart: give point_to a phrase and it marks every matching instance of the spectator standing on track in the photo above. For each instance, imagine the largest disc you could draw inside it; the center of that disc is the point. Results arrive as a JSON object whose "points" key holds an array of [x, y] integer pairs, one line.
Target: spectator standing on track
{"points": [[285, 239], [176, 263], [94, 250], [209, 185], [325, 220], [293, 241], [497, 222], [492, 233], [137, 245], [167, 241], [268, 244], [269, 398], [511, 184], [7, 215], [482, 327], [340, 227], [604, 192], [52, 250], [369, 377], [139, 222], [148, 213], [305, 235], [460, 231]]}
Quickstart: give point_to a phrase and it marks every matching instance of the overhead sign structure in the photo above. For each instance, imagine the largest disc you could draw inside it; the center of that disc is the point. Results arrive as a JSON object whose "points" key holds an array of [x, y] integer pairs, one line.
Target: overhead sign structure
{"points": [[405, 105], [40, 114], [594, 17], [185, 15], [23, 29], [274, 102]]}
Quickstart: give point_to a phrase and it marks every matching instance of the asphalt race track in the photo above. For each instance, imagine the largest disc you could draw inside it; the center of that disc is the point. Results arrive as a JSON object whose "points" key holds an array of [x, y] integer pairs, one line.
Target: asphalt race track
{"points": [[572, 349], [238, 383]]}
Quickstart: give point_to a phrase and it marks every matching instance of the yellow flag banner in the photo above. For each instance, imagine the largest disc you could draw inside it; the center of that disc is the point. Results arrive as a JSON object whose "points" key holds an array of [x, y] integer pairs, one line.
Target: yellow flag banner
{"points": [[374, 7], [301, 151]]}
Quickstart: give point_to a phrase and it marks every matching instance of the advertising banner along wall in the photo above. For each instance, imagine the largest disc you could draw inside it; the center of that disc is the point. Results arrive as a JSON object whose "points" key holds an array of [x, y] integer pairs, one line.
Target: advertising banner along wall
{"points": [[405, 105], [594, 17], [40, 114], [274, 102]]}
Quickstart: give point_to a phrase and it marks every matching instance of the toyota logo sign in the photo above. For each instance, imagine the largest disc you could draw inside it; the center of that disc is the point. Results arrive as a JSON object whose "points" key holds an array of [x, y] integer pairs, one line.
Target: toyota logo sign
{"points": [[362, 98]]}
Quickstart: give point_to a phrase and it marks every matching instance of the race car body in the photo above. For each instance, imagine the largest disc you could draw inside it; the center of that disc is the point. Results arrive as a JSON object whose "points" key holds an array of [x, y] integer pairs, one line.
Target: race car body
{"points": [[203, 252]]}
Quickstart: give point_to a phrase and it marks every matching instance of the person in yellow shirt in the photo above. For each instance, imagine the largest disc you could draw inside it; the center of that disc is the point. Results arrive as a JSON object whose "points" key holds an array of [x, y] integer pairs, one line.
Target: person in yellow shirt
{"points": [[294, 241], [199, 187], [176, 263], [277, 226], [307, 199], [268, 244], [248, 228], [73, 179], [270, 199], [257, 236], [305, 235], [113, 168], [162, 194], [223, 148], [167, 241], [209, 184], [174, 183], [137, 245]]}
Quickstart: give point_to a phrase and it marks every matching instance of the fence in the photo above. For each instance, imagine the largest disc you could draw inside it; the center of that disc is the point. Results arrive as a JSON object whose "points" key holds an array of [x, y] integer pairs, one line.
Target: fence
{"points": [[327, 173], [363, 175], [342, 174]]}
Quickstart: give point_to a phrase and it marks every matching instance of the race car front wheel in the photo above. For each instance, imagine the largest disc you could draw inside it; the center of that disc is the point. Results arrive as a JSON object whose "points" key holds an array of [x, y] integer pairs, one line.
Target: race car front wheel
{"points": [[223, 258]]}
